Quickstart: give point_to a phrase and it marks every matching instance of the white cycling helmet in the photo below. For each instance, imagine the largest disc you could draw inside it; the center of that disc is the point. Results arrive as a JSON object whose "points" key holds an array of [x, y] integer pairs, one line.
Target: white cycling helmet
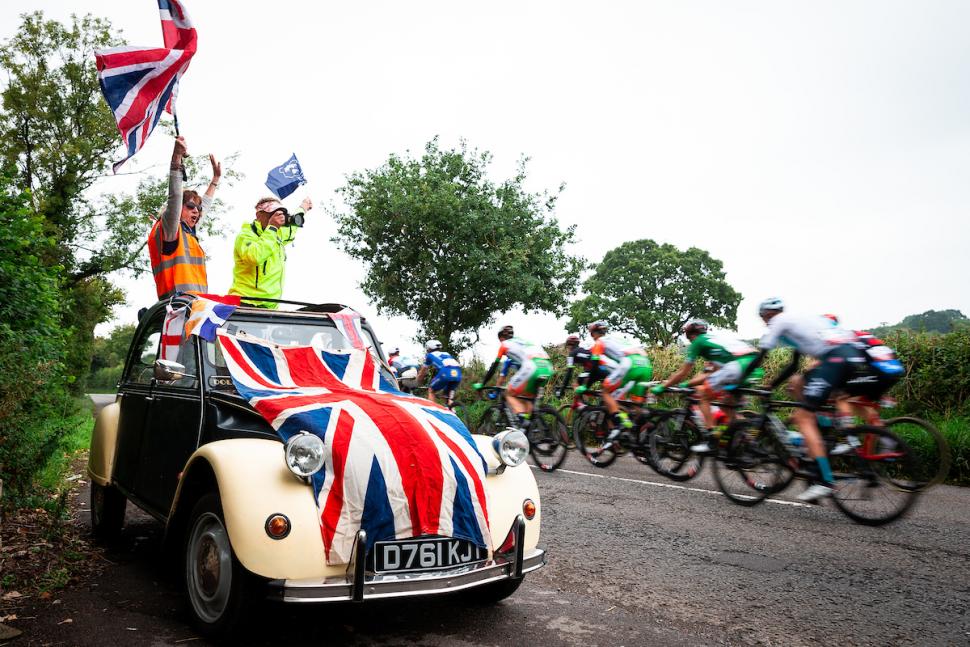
{"points": [[394, 351], [433, 344], [771, 303]]}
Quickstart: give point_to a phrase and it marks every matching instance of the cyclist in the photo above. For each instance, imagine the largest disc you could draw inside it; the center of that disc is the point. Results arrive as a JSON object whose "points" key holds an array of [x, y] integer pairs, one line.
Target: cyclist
{"points": [[629, 368], [405, 369], [447, 374], [533, 370], [840, 362], [886, 371], [729, 356], [580, 357]]}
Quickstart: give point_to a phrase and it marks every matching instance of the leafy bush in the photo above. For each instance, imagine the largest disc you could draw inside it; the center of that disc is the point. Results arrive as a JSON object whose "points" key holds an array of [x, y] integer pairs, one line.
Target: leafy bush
{"points": [[937, 379], [32, 343]]}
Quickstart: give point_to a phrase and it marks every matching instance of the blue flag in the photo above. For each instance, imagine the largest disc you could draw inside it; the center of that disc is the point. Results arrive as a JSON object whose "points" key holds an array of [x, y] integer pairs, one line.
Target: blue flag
{"points": [[283, 180]]}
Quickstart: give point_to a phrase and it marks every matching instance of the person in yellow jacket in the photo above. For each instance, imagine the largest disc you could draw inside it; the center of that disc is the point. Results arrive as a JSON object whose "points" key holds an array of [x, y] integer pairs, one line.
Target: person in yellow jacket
{"points": [[260, 252]]}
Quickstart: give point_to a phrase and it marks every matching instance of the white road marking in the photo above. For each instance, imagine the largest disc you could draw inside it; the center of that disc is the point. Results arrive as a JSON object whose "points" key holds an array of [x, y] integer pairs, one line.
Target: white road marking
{"points": [[675, 487]]}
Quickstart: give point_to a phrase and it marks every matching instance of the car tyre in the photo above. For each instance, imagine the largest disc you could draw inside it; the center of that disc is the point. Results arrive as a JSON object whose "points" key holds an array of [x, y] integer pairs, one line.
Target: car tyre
{"points": [[217, 585], [107, 512], [492, 593]]}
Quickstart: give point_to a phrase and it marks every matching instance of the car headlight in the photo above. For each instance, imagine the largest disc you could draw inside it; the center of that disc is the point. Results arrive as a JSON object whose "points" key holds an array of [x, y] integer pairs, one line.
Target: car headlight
{"points": [[511, 446], [305, 454]]}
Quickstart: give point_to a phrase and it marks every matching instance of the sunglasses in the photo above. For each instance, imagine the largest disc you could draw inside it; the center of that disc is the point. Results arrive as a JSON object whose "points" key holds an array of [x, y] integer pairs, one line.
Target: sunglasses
{"points": [[191, 205]]}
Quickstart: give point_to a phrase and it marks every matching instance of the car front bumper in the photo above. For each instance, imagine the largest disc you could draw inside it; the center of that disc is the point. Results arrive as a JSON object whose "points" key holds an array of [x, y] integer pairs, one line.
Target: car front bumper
{"points": [[358, 585]]}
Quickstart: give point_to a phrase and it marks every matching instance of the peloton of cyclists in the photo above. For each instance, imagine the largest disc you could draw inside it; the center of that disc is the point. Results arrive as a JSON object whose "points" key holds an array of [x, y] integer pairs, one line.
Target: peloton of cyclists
{"points": [[628, 367], [447, 370], [842, 364], [729, 356], [533, 370]]}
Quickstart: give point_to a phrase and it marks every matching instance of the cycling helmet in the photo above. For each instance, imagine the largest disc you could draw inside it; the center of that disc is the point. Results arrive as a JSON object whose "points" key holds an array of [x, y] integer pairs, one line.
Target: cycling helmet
{"points": [[394, 351], [506, 332], [771, 303], [831, 317], [433, 344], [695, 327], [599, 326], [572, 340]]}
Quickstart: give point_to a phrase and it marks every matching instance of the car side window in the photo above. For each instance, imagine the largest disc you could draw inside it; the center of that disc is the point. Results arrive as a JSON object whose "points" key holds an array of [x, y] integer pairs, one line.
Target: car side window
{"points": [[142, 368], [187, 358]]}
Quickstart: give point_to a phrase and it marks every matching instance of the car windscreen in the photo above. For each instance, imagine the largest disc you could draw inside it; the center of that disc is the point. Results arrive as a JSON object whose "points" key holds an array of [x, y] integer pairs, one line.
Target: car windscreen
{"points": [[318, 333]]}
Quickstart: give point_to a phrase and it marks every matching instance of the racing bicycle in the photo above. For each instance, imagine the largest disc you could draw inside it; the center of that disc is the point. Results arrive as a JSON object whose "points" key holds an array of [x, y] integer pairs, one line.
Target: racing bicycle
{"points": [[877, 477], [546, 430]]}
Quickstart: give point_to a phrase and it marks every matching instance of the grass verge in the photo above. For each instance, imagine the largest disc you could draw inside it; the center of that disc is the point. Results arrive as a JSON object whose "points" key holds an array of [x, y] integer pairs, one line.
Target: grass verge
{"points": [[43, 546]]}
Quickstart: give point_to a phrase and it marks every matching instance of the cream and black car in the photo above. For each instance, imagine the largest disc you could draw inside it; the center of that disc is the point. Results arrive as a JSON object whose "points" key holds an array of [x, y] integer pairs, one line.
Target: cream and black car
{"points": [[182, 445]]}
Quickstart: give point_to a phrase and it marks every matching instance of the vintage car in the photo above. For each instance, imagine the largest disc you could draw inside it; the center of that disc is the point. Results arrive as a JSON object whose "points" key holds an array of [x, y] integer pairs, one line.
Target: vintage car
{"points": [[180, 443]]}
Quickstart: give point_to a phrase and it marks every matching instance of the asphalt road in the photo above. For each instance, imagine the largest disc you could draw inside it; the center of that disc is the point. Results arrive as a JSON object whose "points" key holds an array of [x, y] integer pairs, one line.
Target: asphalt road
{"points": [[633, 560]]}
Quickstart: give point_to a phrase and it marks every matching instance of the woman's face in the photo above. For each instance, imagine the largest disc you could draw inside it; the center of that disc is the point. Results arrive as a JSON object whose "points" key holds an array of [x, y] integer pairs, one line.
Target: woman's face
{"points": [[191, 212]]}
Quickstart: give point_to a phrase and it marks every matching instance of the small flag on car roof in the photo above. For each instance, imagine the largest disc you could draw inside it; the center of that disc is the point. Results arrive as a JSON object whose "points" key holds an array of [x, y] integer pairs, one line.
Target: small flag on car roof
{"points": [[208, 314]]}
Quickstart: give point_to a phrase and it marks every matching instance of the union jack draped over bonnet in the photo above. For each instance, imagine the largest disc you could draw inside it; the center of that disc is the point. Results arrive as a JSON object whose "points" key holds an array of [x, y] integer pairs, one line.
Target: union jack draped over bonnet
{"points": [[139, 82], [397, 466]]}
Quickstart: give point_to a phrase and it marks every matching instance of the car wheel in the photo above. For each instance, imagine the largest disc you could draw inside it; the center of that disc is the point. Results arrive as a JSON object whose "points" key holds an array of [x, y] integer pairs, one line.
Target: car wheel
{"points": [[494, 592], [216, 583], [107, 512]]}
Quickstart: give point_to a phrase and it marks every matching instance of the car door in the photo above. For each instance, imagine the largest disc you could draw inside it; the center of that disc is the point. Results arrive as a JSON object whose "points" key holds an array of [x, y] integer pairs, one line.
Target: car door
{"points": [[135, 398], [171, 431]]}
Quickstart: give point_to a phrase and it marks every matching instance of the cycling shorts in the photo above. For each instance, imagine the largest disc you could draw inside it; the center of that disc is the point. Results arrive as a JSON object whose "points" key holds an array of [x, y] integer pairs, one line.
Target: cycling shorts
{"points": [[449, 377], [845, 368], [631, 369], [530, 376], [730, 373]]}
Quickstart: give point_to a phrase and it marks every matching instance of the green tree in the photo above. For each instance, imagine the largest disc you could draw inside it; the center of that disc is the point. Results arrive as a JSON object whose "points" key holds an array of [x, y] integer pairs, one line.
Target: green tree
{"points": [[649, 291], [113, 349], [448, 247], [941, 321]]}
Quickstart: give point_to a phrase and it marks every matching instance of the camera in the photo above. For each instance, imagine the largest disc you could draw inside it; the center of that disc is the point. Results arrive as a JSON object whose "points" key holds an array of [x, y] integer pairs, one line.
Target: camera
{"points": [[295, 219]]}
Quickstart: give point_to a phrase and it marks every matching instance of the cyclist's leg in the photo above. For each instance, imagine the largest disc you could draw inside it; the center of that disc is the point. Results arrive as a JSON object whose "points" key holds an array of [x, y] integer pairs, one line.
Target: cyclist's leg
{"points": [[437, 384], [726, 375], [832, 372], [612, 382], [516, 388]]}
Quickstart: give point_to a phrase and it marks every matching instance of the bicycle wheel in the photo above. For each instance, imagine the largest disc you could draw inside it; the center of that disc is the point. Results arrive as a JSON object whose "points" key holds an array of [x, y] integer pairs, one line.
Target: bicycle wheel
{"points": [[930, 449], [590, 432], [568, 415], [752, 466], [670, 443], [492, 422], [875, 482], [646, 423], [547, 439]]}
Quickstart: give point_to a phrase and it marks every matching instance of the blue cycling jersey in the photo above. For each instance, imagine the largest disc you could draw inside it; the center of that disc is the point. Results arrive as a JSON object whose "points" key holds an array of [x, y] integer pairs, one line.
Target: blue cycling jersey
{"points": [[439, 359]]}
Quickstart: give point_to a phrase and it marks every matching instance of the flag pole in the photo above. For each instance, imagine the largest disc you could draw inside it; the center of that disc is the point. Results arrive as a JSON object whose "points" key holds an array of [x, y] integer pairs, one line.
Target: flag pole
{"points": [[175, 117]]}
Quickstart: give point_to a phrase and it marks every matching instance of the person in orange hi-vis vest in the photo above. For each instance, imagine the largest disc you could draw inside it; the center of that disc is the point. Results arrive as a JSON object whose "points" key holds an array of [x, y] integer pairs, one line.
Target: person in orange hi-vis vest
{"points": [[178, 261]]}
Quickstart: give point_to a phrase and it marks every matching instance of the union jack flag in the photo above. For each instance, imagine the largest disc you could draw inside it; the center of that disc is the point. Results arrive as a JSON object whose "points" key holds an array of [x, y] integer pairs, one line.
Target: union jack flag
{"points": [[348, 323], [139, 82], [397, 466]]}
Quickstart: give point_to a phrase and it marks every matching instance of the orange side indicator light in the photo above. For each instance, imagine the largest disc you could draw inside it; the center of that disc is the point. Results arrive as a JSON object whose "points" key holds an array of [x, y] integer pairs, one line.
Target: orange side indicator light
{"points": [[277, 526], [529, 509]]}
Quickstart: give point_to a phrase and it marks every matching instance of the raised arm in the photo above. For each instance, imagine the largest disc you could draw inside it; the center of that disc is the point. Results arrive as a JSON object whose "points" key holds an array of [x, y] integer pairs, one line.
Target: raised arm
{"points": [[173, 208], [210, 192]]}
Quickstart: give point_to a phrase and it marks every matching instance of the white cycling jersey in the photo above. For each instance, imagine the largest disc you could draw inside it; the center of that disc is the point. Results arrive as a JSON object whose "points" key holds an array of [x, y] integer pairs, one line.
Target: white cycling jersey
{"points": [[812, 335], [520, 351]]}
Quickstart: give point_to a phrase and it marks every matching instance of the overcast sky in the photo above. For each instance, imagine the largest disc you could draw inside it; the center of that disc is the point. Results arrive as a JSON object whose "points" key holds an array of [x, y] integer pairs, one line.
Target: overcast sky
{"points": [[819, 149]]}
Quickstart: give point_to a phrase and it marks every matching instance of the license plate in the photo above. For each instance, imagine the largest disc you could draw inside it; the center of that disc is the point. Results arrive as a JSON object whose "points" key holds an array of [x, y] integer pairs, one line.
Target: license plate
{"points": [[425, 554]]}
